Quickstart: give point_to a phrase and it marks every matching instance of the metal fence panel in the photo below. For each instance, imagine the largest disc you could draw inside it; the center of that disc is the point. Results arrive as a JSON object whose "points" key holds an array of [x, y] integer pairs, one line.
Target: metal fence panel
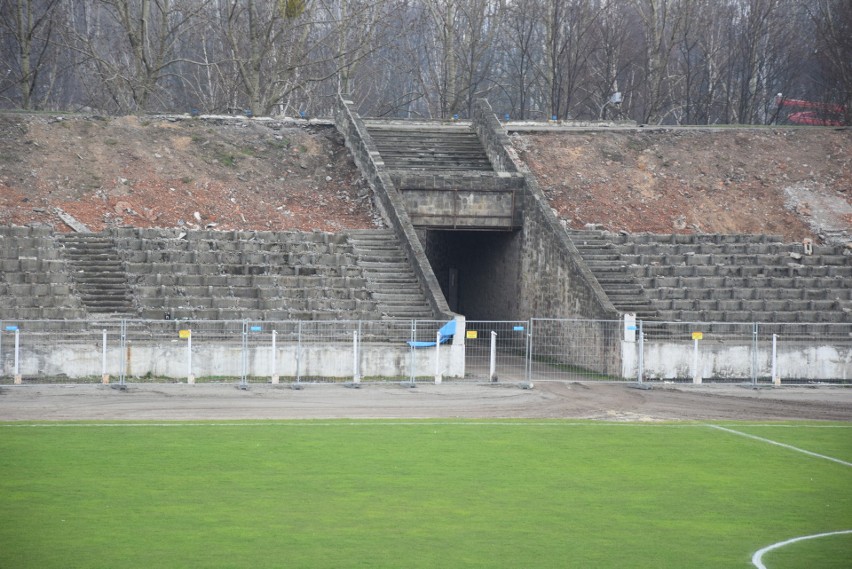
{"points": [[89, 351], [496, 350], [574, 350], [746, 352]]}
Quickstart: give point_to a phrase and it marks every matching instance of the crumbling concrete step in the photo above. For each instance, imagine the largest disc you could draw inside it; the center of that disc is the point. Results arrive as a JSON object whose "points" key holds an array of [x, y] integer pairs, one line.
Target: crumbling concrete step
{"points": [[99, 273]]}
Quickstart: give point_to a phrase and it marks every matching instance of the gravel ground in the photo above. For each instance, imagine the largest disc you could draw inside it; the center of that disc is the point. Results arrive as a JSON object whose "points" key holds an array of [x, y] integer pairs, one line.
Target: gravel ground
{"points": [[611, 402]]}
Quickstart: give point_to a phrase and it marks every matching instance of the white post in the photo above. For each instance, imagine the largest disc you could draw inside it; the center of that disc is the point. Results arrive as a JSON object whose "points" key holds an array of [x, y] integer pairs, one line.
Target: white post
{"points": [[104, 374], [776, 379], [17, 352], [640, 368], [190, 379], [696, 373], [356, 377], [492, 363], [438, 377], [274, 358]]}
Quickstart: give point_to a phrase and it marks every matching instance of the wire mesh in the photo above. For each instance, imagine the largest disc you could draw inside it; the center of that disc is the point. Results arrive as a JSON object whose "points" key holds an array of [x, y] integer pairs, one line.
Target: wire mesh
{"points": [[575, 350], [747, 352], [496, 350], [90, 351]]}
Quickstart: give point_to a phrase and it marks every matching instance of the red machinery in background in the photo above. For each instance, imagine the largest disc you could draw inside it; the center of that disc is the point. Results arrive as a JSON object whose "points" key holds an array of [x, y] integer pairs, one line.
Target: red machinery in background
{"points": [[820, 114]]}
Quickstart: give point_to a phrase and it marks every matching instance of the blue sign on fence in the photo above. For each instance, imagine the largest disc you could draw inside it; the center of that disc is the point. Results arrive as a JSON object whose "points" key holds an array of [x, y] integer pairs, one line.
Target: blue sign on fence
{"points": [[11, 328], [256, 328], [518, 328]]}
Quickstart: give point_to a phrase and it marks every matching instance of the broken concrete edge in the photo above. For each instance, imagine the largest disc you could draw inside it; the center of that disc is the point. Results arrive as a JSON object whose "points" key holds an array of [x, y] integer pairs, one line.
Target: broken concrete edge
{"points": [[71, 221], [499, 149], [363, 150]]}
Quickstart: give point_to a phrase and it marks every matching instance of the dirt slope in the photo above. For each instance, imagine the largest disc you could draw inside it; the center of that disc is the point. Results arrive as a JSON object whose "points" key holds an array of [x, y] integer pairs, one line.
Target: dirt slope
{"points": [[261, 174], [791, 182], [226, 173]]}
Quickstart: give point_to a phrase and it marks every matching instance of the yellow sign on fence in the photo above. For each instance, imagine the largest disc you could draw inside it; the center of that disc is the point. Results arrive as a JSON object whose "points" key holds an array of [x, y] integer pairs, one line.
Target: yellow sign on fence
{"points": [[698, 335], [471, 334], [184, 334]]}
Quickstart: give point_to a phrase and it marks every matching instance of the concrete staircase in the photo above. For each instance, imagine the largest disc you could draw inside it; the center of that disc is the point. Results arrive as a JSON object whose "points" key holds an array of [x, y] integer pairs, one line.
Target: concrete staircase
{"points": [[431, 147], [389, 275], [98, 273], [720, 278], [620, 286], [34, 280]]}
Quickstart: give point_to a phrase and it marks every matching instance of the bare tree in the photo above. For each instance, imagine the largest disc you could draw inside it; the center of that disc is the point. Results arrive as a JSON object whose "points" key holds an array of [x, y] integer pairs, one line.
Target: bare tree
{"points": [[832, 21], [27, 27], [662, 20], [522, 43]]}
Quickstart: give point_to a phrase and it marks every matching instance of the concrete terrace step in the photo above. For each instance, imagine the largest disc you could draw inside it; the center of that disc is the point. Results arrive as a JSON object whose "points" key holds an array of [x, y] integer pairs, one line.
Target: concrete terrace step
{"points": [[99, 274], [390, 277], [448, 148], [729, 278]]}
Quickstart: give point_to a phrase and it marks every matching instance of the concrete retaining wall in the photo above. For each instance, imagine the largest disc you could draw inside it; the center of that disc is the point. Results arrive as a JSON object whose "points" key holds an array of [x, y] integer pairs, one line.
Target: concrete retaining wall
{"points": [[168, 359], [667, 360]]}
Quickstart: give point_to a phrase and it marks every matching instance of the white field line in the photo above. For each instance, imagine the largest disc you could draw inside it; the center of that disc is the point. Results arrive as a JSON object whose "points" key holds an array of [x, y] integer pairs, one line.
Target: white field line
{"points": [[784, 445], [395, 422], [359, 423], [757, 558]]}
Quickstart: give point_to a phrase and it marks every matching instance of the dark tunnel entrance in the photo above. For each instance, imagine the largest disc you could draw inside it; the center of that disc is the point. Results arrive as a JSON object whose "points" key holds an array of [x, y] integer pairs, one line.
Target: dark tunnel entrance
{"points": [[478, 271]]}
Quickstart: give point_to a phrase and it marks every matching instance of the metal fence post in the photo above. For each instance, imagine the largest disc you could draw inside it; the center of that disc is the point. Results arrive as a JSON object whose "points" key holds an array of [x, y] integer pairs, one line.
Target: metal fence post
{"points": [[492, 362], [274, 377], [357, 357], [413, 358], [438, 358], [529, 354], [17, 354], [754, 353], [640, 368], [190, 379], [244, 357], [299, 353], [356, 376], [776, 379], [104, 374], [122, 346], [696, 373]]}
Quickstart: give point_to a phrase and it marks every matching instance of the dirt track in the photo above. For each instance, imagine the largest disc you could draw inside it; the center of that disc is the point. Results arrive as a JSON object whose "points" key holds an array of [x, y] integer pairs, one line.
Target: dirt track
{"points": [[610, 402]]}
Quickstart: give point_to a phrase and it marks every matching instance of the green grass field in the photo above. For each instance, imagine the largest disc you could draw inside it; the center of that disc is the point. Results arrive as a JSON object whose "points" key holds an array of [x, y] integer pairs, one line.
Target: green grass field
{"points": [[515, 494]]}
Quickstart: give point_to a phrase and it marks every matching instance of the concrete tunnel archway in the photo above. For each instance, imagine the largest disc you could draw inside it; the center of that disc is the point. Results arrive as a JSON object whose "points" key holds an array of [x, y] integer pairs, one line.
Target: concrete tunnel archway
{"points": [[478, 271]]}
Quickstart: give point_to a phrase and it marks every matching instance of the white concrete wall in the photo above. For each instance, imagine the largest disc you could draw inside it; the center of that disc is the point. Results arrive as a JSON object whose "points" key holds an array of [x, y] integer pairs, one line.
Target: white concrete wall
{"points": [[723, 360], [168, 359]]}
